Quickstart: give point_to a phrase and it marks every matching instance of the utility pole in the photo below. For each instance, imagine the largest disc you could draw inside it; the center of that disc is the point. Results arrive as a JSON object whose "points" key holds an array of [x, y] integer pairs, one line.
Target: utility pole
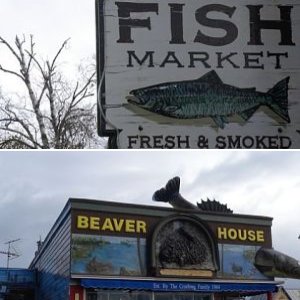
{"points": [[9, 253]]}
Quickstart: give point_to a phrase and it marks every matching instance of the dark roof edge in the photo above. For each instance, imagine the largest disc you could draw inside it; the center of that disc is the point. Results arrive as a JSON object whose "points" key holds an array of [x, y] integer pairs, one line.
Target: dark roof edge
{"points": [[75, 203]]}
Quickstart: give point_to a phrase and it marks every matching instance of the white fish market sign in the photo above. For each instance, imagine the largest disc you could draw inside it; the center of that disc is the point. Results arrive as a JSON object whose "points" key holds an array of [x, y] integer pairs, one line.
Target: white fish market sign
{"points": [[199, 73]]}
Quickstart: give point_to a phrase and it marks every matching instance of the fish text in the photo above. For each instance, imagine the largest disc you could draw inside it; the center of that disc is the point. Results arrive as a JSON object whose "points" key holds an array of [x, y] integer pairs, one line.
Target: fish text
{"points": [[230, 30]]}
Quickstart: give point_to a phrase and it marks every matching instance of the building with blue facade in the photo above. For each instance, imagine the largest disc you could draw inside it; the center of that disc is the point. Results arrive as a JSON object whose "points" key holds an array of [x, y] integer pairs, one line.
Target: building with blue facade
{"points": [[17, 284]]}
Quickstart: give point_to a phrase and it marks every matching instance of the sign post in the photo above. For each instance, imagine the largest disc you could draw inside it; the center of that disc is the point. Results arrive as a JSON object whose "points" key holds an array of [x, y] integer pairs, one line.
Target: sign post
{"points": [[199, 74]]}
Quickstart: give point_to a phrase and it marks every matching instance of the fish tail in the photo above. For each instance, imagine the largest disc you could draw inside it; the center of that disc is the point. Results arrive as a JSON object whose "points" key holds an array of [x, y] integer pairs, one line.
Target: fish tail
{"points": [[164, 194], [279, 94]]}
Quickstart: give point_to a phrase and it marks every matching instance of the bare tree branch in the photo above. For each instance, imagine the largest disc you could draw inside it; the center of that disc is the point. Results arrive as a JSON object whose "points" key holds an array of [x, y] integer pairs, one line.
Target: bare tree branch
{"points": [[58, 53], [12, 72], [58, 115], [15, 118], [16, 143], [3, 41], [31, 53], [35, 104]]}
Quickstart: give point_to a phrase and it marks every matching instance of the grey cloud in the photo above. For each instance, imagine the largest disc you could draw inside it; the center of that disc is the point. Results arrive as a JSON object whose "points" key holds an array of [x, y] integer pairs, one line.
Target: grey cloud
{"points": [[257, 167]]}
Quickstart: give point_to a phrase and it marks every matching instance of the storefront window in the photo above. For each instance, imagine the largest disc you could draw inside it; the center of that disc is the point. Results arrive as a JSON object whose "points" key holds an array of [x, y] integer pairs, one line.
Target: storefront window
{"points": [[181, 296], [118, 295], [203, 297], [96, 295], [143, 295]]}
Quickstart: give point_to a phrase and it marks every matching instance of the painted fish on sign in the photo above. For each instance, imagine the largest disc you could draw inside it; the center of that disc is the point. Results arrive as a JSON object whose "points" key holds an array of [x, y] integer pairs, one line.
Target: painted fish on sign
{"points": [[208, 96]]}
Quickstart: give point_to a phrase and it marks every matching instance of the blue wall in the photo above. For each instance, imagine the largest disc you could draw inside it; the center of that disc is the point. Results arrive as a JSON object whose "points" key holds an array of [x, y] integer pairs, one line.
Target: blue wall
{"points": [[52, 262], [18, 277]]}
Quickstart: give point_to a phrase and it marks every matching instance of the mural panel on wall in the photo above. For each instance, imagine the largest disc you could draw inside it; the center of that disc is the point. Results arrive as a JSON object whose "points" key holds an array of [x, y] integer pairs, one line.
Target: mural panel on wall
{"points": [[237, 261], [108, 255]]}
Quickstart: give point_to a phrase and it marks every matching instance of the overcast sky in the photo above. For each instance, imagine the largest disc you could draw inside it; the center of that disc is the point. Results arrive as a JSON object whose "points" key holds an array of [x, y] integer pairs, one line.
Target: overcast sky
{"points": [[51, 22], [36, 185]]}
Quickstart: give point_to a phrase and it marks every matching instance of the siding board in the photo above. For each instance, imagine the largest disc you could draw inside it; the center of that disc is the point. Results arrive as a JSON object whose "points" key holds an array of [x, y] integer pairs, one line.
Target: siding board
{"points": [[53, 262]]}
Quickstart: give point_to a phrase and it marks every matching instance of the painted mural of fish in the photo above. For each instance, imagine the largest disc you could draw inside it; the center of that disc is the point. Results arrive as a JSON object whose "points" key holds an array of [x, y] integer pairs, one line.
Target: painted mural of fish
{"points": [[208, 96]]}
